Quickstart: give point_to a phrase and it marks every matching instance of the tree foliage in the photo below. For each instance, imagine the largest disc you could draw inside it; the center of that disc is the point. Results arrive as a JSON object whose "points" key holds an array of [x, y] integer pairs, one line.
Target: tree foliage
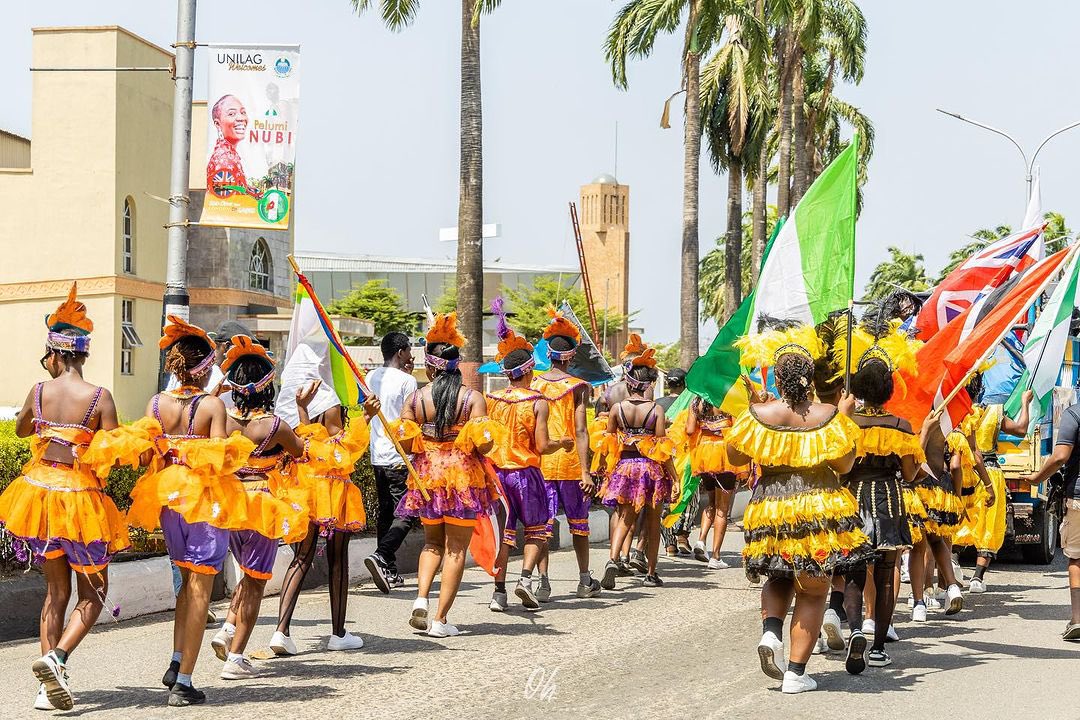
{"points": [[529, 306], [714, 268], [901, 270], [380, 304]]}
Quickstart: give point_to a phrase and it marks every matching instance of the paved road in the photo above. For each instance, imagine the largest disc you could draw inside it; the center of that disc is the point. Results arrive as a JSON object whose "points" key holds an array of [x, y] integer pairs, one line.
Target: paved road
{"points": [[685, 650]]}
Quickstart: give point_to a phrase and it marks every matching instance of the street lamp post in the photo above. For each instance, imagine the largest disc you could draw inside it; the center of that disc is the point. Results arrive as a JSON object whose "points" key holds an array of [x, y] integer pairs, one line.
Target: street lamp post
{"points": [[1029, 165], [176, 295]]}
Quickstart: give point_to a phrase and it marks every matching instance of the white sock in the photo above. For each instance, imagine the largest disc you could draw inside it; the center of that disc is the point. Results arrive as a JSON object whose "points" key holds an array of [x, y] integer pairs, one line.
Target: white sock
{"points": [[176, 657], [229, 628], [234, 658]]}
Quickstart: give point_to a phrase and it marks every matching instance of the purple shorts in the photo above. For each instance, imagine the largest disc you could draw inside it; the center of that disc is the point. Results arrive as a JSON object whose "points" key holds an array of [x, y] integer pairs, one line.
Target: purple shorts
{"points": [[571, 500], [82, 558], [199, 547], [254, 552], [527, 502]]}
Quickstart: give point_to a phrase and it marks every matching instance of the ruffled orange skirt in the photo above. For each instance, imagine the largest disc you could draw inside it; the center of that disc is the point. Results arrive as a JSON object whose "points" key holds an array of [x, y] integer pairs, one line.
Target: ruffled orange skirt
{"points": [[709, 457], [219, 501], [332, 501], [272, 517], [53, 501]]}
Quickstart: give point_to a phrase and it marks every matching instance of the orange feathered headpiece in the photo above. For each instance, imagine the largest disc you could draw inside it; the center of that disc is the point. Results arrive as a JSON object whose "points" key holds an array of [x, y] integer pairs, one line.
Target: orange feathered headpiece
{"points": [[444, 330], [241, 345], [178, 328], [634, 347], [561, 327], [70, 315], [510, 343], [647, 359]]}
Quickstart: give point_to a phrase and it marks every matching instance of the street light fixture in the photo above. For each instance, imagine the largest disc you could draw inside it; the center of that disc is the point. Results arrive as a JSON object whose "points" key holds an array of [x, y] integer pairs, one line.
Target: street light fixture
{"points": [[1028, 164]]}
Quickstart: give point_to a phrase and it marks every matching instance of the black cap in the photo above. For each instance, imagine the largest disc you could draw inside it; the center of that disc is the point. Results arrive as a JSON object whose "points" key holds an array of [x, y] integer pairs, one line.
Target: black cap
{"points": [[676, 376], [228, 329]]}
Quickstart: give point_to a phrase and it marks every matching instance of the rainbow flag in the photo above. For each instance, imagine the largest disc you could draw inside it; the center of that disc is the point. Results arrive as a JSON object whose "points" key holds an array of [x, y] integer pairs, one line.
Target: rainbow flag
{"points": [[315, 351]]}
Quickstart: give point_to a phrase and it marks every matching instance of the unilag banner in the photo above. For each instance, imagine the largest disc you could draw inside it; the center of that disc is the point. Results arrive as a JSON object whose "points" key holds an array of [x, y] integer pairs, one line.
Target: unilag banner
{"points": [[253, 98]]}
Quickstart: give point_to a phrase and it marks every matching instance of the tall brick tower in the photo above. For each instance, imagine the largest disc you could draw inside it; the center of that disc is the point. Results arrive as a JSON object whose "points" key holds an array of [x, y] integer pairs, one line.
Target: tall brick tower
{"points": [[605, 233]]}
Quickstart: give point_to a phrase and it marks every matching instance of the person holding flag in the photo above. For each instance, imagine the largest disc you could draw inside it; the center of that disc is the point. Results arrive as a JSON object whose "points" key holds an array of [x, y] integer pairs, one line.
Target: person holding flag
{"points": [[801, 525], [446, 429], [566, 471], [524, 412]]}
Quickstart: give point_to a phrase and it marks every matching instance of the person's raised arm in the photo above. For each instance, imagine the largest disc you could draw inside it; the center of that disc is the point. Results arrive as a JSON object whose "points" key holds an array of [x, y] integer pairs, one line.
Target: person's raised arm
{"points": [[1019, 426], [304, 396]]}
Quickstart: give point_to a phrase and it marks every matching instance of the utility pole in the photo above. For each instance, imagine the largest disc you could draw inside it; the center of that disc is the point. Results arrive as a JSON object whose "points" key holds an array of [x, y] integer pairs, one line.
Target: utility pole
{"points": [[176, 301]]}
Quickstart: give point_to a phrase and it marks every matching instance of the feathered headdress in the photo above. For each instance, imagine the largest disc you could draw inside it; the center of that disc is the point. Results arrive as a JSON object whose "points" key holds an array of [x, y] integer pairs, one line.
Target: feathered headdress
{"points": [[647, 359], [70, 316], [768, 346], [561, 327], [179, 328], [509, 341], [243, 346], [634, 346], [444, 330]]}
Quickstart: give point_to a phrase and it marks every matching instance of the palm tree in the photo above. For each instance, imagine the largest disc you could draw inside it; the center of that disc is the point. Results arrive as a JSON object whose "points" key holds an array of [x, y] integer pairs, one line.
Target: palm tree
{"points": [[980, 240], [733, 94], [398, 14], [714, 269], [827, 115], [1057, 234], [903, 270], [633, 34]]}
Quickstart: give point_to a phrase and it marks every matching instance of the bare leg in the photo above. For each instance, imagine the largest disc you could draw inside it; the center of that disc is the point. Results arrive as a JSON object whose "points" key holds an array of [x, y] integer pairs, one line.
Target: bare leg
{"points": [[457, 543], [1074, 589], [192, 623], [651, 534], [501, 561], [723, 509], [531, 554], [869, 592], [626, 515], [181, 611], [85, 614], [233, 616], [810, 594], [250, 594], [430, 558], [776, 597], [581, 552], [942, 553], [917, 570], [57, 595], [708, 517]]}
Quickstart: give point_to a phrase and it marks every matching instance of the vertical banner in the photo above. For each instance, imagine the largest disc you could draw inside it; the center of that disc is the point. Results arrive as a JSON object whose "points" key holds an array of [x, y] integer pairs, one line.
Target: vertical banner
{"points": [[253, 102]]}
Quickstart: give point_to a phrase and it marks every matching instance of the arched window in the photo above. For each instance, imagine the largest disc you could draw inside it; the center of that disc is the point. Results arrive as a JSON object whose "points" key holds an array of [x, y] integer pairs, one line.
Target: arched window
{"points": [[127, 236], [261, 267]]}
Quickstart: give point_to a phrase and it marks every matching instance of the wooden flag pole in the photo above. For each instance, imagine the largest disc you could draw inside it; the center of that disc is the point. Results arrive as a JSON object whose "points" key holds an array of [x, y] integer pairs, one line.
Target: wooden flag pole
{"points": [[850, 330], [360, 379]]}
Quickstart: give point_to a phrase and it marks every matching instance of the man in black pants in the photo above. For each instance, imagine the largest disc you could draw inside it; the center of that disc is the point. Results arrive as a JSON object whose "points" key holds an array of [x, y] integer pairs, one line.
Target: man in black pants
{"points": [[392, 383]]}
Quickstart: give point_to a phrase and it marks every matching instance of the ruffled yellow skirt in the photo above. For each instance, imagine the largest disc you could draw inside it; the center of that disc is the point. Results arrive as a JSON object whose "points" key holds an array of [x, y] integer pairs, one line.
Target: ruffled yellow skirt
{"points": [[916, 514], [219, 501], [51, 501], [983, 527], [332, 501], [943, 509], [803, 522], [709, 457], [274, 517]]}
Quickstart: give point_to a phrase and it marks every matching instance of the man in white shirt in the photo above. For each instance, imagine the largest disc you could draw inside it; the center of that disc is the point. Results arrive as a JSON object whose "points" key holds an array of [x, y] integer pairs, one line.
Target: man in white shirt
{"points": [[392, 383]]}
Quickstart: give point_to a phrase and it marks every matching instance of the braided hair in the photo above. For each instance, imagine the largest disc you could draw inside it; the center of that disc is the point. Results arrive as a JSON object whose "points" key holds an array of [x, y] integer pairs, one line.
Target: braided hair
{"points": [[794, 377], [247, 370], [185, 354]]}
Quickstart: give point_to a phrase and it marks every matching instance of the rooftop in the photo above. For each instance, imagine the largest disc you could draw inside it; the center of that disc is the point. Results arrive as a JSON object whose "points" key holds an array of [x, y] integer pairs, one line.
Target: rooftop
{"points": [[339, 262]]}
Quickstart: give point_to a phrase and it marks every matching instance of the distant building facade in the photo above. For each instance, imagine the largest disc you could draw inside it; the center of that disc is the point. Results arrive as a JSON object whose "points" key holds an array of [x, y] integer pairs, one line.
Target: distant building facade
{"points": [[605, 236]]}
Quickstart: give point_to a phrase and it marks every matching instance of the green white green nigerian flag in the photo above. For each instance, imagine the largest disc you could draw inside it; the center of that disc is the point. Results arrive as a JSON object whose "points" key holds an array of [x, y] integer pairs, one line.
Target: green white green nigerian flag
{"points": [[1045, 348], [810, 271]]}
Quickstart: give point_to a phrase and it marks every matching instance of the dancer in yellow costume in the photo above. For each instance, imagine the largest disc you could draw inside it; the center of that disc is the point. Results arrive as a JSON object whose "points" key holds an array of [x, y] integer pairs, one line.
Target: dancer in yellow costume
{"points": [[57, 508], [801, 524]]}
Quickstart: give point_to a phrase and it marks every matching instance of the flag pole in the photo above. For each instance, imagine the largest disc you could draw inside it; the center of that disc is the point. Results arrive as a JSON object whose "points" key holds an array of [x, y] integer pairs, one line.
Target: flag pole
{"points": [[993, 346], [847, 357], [358, 374]]}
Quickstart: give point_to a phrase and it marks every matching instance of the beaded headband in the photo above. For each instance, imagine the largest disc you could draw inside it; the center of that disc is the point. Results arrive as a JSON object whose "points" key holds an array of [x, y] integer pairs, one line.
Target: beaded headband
{"points": [[434, 361], [203, 367], [521, 370], [792, 349], [635, 384], [67, 343], [562, 355], [258, 386], [875, 353]]}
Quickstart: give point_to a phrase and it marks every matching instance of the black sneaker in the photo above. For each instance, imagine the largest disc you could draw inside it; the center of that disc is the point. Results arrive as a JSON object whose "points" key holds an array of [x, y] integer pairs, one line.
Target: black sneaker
{"points": [[377, 568], [624, 567], [878, 658], [653, 581], [169, 678], [184, 695], [638, 561], [856, 653], [394, 579], [611, 571]]}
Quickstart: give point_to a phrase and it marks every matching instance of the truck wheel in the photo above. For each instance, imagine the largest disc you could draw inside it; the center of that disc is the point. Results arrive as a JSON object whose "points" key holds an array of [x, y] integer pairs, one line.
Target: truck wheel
{"points": [[1043, 553]]}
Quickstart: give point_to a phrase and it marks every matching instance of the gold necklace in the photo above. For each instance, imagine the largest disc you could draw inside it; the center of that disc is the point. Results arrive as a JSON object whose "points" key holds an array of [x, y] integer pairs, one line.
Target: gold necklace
{"points": [[185, 391]]}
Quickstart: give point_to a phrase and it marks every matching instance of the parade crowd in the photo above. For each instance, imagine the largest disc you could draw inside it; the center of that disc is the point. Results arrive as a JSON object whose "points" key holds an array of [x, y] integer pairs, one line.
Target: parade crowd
{"points": [[848, 501]]}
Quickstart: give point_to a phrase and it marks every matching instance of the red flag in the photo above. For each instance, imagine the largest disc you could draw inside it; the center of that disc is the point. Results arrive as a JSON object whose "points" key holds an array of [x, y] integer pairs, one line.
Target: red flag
{"points": [[946, 360], [484, 543], [977, 276]]}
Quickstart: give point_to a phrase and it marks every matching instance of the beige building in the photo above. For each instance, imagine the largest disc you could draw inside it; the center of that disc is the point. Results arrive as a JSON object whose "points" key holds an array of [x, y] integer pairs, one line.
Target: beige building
{"points": [[84, 201], [605, 235]]}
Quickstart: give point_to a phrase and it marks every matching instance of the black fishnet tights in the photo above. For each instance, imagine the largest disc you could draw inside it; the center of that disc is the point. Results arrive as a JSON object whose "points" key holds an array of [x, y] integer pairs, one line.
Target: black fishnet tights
{"points": [[884, 603], [337, 557]]}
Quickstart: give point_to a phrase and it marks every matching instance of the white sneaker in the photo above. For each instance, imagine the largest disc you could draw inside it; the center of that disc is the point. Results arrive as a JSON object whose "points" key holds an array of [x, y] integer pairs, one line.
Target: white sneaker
{"points": [[911, 601], [221, 642], [905, 576], [241, 669], [419, 617], [700, 553], [918, 613], [976, 586], [797, 683], [958, 571], [771, 654], [891, 635], [441, 630], [590, 590], [282, 644], [955, 600], [820, 647], [717, 564], [868, 627], [525, 593], [498, 602], [348, 641], [931, 599], [41, 702], [51, 673], [830, 625]]}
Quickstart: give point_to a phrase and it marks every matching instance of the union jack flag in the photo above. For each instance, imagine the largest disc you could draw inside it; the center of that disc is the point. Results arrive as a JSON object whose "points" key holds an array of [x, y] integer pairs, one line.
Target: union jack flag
{"points": [[978, 276], [223, 178]]}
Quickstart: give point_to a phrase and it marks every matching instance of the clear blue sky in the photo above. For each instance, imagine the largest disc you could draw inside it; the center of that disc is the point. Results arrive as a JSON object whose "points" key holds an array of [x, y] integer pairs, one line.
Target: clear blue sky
{"points": [[377, 157]]}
